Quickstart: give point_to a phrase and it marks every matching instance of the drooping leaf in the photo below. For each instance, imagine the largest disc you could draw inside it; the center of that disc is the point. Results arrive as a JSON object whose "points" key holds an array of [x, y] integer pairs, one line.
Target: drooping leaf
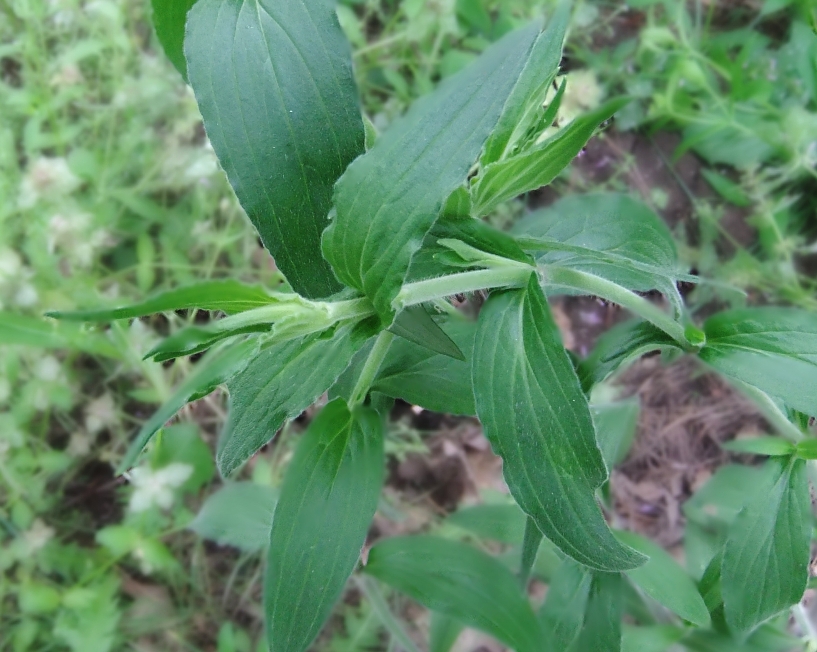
{"points": [[239, 514], [774, 349], [226, 296], [665, 581], [214, 369], [607, 234], [274, 84], [539, 165], [21, 330], [388, 199], [525, 102], [620, 344], [327, 502], [416, 325], [459, 581], [615, 428], [772, 446], [562, 614], [765, 562], [169, 17], [537, 419], [505, 523], [280, 383]]}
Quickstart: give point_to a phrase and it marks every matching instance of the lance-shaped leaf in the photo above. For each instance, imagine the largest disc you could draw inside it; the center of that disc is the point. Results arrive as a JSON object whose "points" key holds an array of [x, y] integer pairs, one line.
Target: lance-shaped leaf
{"points": [[416, 325], [607, 234], [280, 383], [524, 105], [214, 369], [562, 613], [458, 581], [601, 629], [774, 349], [665, 581], [327, 502], [225, 296], [274, 84], [21, 330], [388, 199], [169, 17], [765, 562], [539, 165], [537, 419]]}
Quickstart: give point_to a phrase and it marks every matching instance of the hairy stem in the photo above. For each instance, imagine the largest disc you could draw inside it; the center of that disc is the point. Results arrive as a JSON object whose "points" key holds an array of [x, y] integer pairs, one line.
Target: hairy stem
{"points": [[460, 283]]}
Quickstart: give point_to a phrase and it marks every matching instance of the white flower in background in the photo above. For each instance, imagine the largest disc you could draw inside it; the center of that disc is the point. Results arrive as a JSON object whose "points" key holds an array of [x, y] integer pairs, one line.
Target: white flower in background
{"points": [[155, 486], [26, 296], [68, 75], [79, 445], [10, 264], [47, 369], [100, 414], [76, 237], [582, 92], [38, 535], [49, 178]]}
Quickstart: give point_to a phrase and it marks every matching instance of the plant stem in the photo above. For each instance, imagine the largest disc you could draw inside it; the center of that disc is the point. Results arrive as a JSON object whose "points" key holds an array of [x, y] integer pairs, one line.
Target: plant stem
{"points": [[771, 411], [460, 283], [370, 369], [595, 285]]}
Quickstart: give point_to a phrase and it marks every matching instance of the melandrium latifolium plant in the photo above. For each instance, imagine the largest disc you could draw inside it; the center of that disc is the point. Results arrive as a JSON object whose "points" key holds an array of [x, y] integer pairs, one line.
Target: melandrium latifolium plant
{"points": [[373, 233]]}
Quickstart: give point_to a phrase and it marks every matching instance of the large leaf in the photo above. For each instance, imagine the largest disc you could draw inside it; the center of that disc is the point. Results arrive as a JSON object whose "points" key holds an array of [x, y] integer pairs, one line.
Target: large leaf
{"points": [[538, 166], [524, 105], [226, 296], [169, 17], [389, 198], [665, 581], [765, 562], [459, 581], [274, 84], [774, 349], [610, 235], [280, 383], [537, 419], [214, 369], [239, 515], [327, 502]]}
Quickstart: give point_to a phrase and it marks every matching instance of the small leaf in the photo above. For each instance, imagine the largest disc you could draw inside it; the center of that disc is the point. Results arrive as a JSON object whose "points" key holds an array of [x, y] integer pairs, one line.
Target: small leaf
{"points": [[772, 446], [617, 346], [274, 84], [195, 339], [182, 443], [726, 188], [239, 514], [214, 369], [279, 383], [327, 503], [505, 523], [458, 581], [480, 235], [20, 330], [665, 581], [765, 562], [539, 165], [774, 349], [169, 17], [416, 325], [388, 199], [807, 449], [615, 429], [562, 614], [537, 419], [226, 296]]}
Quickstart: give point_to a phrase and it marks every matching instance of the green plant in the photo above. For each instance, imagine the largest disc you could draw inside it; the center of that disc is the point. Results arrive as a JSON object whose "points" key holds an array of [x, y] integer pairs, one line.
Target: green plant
{"points": [[373, 233]]}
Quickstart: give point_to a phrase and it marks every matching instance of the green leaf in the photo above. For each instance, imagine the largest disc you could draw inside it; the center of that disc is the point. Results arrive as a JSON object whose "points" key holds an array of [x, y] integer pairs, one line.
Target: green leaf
{"points": [[617, 346], [280, 383], [169, 17], [615, 428], [772, 446], [562, 614], [607, 234], [388, 199], [274, 84], [416, 325], [653, 638], [665, 581], [182, 443], [601, 629], [195, 339], [443, 632], [530, 548], [480, 235], [239, 514], [461, 582], [226, 296], [538, 166], [327, 502], [537, 419], [525, 102], [505, 523], [765, 562], [774, 349], [807, 449], [214, 369], [20, 330], [726, 188]]}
